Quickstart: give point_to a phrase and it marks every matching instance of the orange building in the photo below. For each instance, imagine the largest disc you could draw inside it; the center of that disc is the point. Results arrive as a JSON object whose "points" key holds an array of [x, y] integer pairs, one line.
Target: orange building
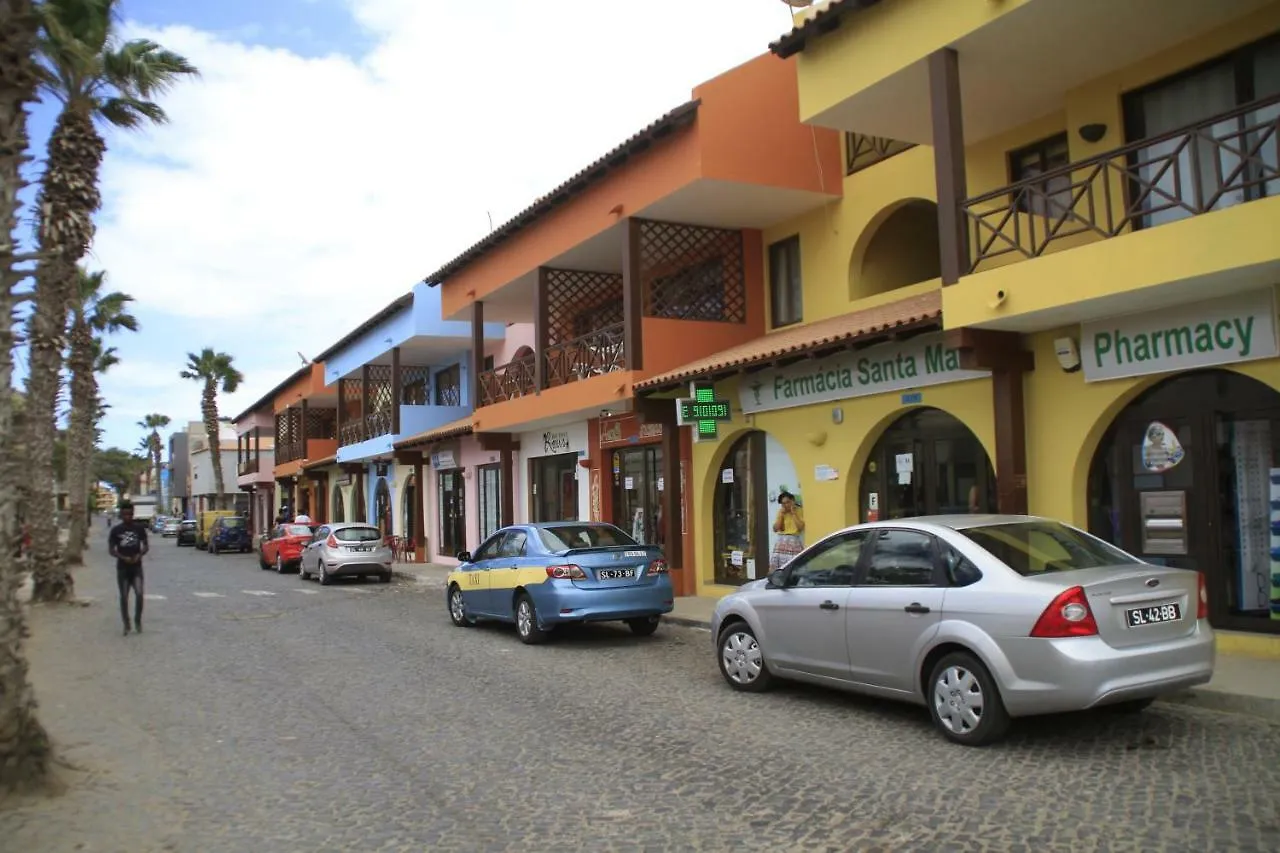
{"points": [[306, 423], [646, 260]]}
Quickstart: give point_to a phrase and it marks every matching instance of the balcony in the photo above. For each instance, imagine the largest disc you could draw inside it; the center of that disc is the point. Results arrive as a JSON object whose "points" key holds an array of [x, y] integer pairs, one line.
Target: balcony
{"points": [[1216, 163], [248, 466], [508, 381]]}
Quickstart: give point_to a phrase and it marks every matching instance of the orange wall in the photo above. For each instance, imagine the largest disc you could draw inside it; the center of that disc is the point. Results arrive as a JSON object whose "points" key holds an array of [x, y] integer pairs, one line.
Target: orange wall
{"points": [[321, 448], [308, 386], [660, 171], [750, 130], [598, 392]]}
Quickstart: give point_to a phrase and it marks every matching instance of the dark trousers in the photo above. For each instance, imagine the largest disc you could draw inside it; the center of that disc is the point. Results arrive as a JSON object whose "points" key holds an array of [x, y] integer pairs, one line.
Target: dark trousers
{"points": [[130, 577]]}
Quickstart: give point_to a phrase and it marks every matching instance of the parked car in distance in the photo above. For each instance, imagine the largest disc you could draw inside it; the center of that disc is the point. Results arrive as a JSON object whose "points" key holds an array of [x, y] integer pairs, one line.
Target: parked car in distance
{"points": [[204, 524], [229, 533], [282, 546], [346, 550], [186, 533], [157, 524], [171, 527], [978, 617], [539, 576]]}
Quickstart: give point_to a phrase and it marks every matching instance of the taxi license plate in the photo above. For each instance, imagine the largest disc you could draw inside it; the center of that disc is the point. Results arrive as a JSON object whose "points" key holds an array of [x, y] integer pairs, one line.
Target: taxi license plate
{"points": [[1139, 616], [615, 574]]}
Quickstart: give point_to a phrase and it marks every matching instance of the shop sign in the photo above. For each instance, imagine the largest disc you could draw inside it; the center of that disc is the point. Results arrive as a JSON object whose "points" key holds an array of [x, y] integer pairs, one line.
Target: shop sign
{"points": [[554, 442], [625, 430], [443, 460], [922, 361], [1223, 331], [702, 411]]}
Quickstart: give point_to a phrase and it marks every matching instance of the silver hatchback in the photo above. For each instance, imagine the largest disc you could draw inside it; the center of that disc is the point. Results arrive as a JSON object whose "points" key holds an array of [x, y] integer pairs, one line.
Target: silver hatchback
{"points": [[978, 617], [346, 550]]}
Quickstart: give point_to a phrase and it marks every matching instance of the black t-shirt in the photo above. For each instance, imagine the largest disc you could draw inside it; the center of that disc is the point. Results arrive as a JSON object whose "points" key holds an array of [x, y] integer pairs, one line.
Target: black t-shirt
{"points": [[127, 538]]}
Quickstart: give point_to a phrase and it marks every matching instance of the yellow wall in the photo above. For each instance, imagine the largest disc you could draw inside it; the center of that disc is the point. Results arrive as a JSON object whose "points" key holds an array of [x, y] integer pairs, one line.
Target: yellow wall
{"points": [[828, 505]]}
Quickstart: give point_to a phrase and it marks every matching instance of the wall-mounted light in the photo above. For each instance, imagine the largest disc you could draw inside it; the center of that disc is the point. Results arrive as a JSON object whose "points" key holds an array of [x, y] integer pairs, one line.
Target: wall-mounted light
{"points": [[1068, 353], [1092, 132], [837, 415]]}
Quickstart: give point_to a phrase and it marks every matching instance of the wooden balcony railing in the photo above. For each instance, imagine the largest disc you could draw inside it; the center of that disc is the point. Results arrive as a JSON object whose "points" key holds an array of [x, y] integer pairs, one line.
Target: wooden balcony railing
{"points": [[291, 451], [1221, 161], [507, 381], [593, 354], [364, 428], [861, 151], [248, 466]]}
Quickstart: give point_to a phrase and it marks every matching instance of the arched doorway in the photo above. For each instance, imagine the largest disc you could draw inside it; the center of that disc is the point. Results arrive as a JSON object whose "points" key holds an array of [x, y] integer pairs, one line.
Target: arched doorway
{"points": [[409, 500], [339, 511], [382, 507], [903, 250], [1186, 476], [754, 474], [360, 505], [926, 463]]}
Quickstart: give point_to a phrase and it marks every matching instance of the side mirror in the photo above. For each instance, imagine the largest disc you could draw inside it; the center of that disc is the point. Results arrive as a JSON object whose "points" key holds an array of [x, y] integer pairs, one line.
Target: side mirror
{"points": [[777, 579], [464, 556]]}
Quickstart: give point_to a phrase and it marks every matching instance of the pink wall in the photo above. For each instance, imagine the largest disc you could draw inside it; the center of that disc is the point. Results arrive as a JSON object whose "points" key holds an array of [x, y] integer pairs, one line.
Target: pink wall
{"points": [[518, 335], [470, 457]]}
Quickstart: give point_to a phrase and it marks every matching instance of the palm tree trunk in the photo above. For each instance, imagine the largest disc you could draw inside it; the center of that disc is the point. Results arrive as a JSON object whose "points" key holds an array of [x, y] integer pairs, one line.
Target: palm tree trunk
{"points": [[24, 746], [68, 199], [79, 440], [156, 464], [209, 410]]}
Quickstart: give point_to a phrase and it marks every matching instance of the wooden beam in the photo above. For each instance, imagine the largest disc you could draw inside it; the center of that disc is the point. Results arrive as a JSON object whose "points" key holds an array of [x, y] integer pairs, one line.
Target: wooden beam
{"points": [[988, 349], [494, 441], [409, 457], [506, 493], [948, 162], [541, 331], [477, 351], [632, 297], [395, 390], [1011, 440], [351, 467]]}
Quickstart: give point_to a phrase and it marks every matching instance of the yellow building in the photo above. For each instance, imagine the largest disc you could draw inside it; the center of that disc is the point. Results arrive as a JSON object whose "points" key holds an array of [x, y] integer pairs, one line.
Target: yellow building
{"points": [[1048, 287]]}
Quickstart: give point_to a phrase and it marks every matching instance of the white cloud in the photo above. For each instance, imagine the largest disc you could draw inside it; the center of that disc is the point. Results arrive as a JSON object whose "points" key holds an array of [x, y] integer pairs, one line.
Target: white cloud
{"points": [[291, 197]]}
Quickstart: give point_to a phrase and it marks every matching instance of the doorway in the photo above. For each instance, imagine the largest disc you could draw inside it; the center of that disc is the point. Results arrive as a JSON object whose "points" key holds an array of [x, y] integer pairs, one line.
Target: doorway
{"points": [[490, 503], [637, 501], [1187, 476], [410, 493], [382, 507], [553, 481], [451, 512], [339, 510], [926, 463]]}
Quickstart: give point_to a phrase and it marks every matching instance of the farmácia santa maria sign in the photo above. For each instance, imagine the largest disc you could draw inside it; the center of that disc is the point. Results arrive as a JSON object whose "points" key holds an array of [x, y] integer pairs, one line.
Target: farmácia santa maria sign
{"points": [[1226, 330], [916, 363]]}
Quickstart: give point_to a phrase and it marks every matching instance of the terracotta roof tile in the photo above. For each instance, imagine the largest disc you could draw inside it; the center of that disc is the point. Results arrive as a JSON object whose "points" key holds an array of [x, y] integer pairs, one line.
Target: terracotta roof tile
{"points": [[677, 118], [320, 463], [914, 311], [819, 23], [462, 426]]}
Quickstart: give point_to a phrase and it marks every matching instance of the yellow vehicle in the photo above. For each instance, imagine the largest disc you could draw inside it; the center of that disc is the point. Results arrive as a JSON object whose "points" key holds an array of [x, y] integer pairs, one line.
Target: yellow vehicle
{"points": [[205, 524]]}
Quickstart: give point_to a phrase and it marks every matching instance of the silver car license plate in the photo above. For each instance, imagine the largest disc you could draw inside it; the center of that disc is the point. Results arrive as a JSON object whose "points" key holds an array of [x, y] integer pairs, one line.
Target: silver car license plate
{"points": [[1139, 616], [615, 574], [360, 547]]}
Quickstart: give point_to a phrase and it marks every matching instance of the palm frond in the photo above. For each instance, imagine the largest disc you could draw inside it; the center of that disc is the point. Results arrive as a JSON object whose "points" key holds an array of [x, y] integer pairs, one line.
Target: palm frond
{"points": [[144, 69], [130, 113]]}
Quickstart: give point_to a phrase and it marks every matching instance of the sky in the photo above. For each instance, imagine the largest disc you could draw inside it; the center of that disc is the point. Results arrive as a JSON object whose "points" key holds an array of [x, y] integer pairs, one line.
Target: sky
{"points": [[334, 152]]}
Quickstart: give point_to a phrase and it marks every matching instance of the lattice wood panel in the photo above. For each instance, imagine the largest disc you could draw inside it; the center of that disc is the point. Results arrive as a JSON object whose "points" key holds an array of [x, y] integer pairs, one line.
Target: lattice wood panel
{"points": [[322, 423], [352, 394], [415, 383], [282, 429], [575, 297], [689, 272], [379, 388]]}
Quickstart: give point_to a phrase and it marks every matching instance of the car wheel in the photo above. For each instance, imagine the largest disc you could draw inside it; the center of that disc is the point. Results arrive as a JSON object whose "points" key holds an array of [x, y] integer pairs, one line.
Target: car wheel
{"points": [[643, 627], [279, 564], [262, 561], [742, 660], [323, 576], [385, 577], [1132, 706], [302, 571], [458, 609], [964, 701], [527, 621]]}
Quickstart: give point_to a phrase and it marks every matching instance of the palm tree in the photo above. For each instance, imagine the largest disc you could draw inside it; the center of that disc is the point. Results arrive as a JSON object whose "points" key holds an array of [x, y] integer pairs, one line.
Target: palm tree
{"points": [[24, 745], [97, 80], [154, 423], [93, 312], [213, 370]]}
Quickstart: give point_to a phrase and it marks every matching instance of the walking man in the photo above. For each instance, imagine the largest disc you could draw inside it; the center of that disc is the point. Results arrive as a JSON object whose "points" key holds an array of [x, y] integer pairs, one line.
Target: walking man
{"points": [[128, 544]]}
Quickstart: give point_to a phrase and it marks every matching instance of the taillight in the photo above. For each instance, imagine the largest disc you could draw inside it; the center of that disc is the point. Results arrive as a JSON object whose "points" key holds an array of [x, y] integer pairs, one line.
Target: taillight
{"points": [[1202, 609], [332, 541], [567, 573], [658, 567], [1068, 615]]}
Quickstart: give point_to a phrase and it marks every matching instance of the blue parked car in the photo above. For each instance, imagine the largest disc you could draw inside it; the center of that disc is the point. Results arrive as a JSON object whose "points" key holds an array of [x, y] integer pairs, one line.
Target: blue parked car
{"points": [[229, 533], [538, 576]]}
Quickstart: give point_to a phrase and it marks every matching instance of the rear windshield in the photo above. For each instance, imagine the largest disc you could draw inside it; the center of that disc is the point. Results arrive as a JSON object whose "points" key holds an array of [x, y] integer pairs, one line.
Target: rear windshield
{"points": [[1037, 547], [233, 522], [358, 534], [297, 530], [565, 536]]}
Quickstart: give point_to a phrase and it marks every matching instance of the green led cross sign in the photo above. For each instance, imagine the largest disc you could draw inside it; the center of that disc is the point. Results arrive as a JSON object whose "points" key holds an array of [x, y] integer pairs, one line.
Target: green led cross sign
{"points": [[703, 411]]}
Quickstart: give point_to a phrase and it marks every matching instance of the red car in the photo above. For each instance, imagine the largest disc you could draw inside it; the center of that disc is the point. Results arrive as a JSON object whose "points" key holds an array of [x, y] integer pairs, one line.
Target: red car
{"points": [[282, 550]]}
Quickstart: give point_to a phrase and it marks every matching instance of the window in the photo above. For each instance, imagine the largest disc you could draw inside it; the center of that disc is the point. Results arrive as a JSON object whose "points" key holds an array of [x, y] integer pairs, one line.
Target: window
{"points": [[693, 293], [786, 297], [449, 386], [830, 563], [1050, 197], [562, 537], [297, 530], [960, 569], [490, 482], [1036, 547], [358, 534], [489, 549], [488, 362], [901, 558], [513, 544]]}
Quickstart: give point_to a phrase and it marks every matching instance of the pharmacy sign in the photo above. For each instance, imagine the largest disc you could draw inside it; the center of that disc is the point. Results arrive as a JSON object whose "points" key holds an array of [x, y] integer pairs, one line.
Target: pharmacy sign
{"points": [[702, 411]]}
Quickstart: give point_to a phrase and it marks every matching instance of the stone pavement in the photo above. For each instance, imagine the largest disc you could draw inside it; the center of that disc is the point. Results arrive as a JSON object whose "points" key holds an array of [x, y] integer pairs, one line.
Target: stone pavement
{"points": [[263, 713]]}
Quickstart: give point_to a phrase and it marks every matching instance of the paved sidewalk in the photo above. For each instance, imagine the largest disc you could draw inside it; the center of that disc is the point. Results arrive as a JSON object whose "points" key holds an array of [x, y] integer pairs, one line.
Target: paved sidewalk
{"points": [[1241, 684]]}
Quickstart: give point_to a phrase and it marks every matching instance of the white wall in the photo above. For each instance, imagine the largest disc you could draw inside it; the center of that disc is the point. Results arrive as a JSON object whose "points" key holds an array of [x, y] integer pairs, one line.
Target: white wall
{"points": [[535, 444]]}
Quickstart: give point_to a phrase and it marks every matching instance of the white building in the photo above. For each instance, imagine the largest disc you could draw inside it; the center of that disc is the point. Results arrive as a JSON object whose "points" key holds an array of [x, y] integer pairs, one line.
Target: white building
{"points": [[200, 465]]}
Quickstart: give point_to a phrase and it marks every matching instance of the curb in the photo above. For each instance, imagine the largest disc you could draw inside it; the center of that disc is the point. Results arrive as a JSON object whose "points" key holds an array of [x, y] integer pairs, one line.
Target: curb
{"points": [[687, 622], [1231, 703]]}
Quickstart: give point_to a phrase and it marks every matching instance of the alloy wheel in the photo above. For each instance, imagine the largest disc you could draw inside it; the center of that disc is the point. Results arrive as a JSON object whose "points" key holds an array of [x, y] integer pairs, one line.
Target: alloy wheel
{"points": [[456, 608], [524, 618]]}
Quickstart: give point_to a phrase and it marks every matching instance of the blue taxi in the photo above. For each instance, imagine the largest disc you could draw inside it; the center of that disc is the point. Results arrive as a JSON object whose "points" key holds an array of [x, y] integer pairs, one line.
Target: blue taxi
{"points": [[538, 576]]}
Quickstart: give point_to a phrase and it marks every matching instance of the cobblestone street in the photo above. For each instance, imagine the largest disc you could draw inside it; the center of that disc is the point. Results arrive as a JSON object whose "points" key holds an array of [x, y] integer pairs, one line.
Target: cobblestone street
{"points": [[264, 713]]}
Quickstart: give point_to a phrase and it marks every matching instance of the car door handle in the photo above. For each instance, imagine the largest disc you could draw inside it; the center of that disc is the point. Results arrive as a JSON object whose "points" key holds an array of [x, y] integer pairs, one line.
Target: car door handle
{"points": [[916, 607], [829, 605]]}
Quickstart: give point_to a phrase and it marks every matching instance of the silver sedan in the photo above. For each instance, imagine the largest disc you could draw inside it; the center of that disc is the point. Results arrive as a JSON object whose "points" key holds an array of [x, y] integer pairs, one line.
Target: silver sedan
{"points": [[346, 550], [978, 617]]}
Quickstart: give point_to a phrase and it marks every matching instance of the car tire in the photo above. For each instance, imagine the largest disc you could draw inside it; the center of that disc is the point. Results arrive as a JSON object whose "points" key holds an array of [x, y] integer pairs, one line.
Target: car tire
{"points": [[527, 628], [262, 561], [385, 577], [458, 609], [645, 626], [302, 573], [323, 576], [957, 683], [741, 659], [279, 564], [1131, 706]]}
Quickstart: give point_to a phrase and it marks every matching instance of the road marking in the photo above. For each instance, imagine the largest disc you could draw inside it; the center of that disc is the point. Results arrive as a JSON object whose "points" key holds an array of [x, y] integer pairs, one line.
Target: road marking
{"points": [[307, 591], [256, 592], [153, 597], [354, 589], [208, 595]]}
